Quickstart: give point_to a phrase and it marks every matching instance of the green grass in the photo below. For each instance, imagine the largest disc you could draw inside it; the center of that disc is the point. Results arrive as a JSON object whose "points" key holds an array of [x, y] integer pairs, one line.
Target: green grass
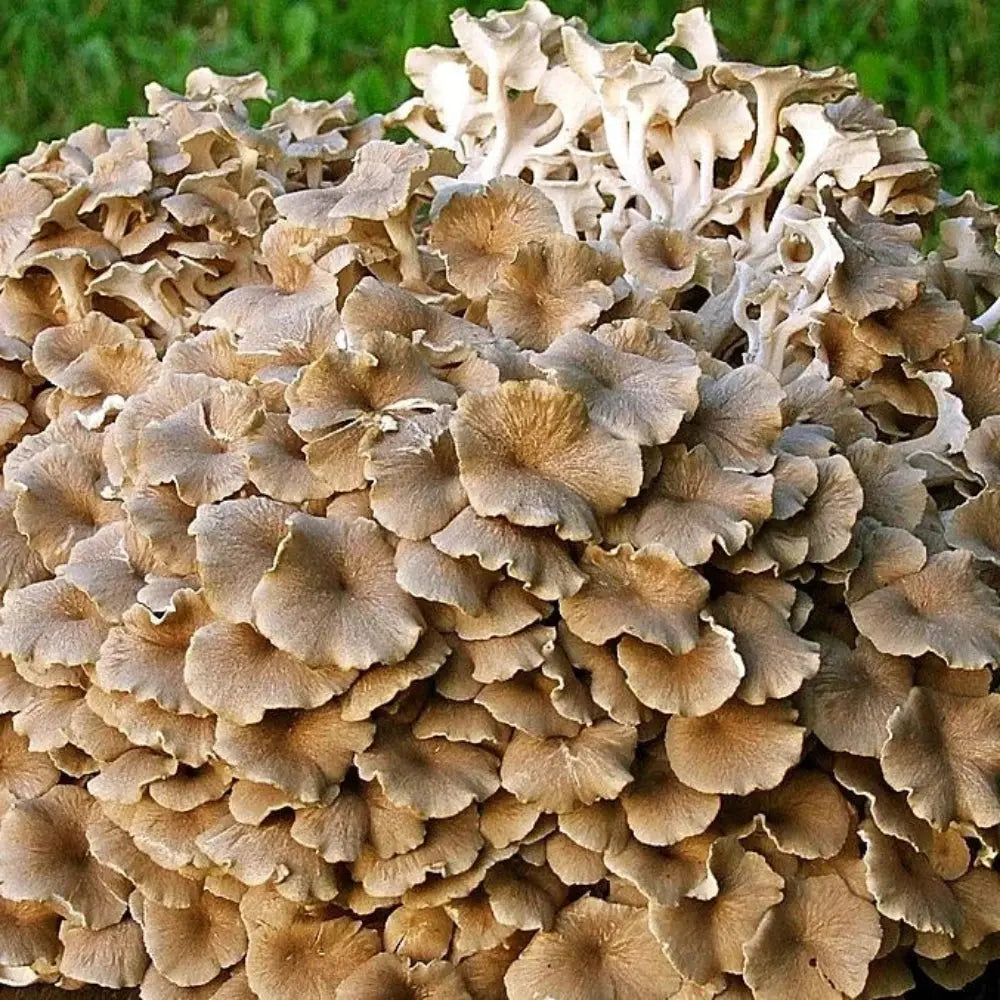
{"points": [[64, 63]]}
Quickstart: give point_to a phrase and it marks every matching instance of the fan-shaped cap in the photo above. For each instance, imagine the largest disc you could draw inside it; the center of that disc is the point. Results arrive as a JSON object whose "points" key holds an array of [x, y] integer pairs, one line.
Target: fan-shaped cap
{"points": [[422, 935], [413, 471], [693, 683], [50, 623], [434, 777], [595, 949], [739, 419], [23, 773], [113, 957], [693, 504], [29, 934], [847, 704], [905, 885], [894, 493], [704, 938], [306, 753], [382, 371], [820, 938], [944, 608], [145, 655], [735, 749], [391, 977], [237, 673], [552, 287], [635, 397], [236, 543], [21, 202], [660, 809], [324, 952], [528, 452], [944, 749], [44, 856], [478, 230], [191, 946], [531, 555], [331, 595], [647, 593], [559, 774]]}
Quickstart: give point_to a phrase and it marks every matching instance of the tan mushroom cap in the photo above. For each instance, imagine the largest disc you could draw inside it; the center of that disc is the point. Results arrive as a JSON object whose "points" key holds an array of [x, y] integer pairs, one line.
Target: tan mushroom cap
{"points": [[22, 200], [595, 949], [19, 563], [236, 543], [113, 957], [390, 977], [413, 471], [806, 815], [344, 608], [29, 933], [50, 623], [382, 370], [944, 750], [739, 419], [973, 526], [477, 231], [421, 935], [323, 952], [635, 397], [776, 660], [434, 777], [847, 704], [735, 749], [559, 774], [553, 286], [307, 753], [95, 357], [45, 857], [704, 938], [894, 493], [693, 504], [818, 940], [268, 854], [277, 465], [237, 673], [191, 946], [532, 555], [528, 452], [661, 810], [905, 886], [451, 848], [693, 683], [23, 773], [944, 608], [647, 593], [145, 655]]}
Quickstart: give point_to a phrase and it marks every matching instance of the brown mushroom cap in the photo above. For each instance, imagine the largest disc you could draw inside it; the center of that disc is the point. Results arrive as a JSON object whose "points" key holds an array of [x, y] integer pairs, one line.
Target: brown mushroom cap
{"points": [[595, 946], [346, 608], [527, 452]]}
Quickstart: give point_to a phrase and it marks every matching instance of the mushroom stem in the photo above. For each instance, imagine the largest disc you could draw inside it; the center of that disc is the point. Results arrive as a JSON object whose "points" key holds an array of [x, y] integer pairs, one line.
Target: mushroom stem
{"points": [[496, 98], [401, 236], [116, 220], [990, 318], [69, 275], [767, 130]]}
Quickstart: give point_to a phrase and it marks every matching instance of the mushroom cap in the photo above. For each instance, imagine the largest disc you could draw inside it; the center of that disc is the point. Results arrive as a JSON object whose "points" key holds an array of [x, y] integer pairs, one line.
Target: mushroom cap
{"points": [[527, 452]]}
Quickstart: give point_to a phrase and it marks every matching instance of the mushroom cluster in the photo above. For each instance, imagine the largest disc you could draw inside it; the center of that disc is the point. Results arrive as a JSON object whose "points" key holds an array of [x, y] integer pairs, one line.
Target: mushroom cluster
{"points": [[553, 556]]}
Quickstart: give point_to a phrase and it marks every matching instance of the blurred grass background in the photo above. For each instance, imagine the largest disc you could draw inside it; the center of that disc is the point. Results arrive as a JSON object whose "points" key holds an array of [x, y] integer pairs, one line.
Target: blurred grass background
{"points": [[63, 63]]}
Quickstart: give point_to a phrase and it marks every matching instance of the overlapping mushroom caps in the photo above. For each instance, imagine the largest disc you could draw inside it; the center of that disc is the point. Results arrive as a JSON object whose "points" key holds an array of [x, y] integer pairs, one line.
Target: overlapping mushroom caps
{"points": [[555, 555]]}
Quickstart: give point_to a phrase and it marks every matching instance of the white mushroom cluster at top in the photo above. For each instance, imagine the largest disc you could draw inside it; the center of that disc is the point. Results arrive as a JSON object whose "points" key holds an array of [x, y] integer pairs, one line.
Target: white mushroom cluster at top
{"points": [[553, 555]]}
